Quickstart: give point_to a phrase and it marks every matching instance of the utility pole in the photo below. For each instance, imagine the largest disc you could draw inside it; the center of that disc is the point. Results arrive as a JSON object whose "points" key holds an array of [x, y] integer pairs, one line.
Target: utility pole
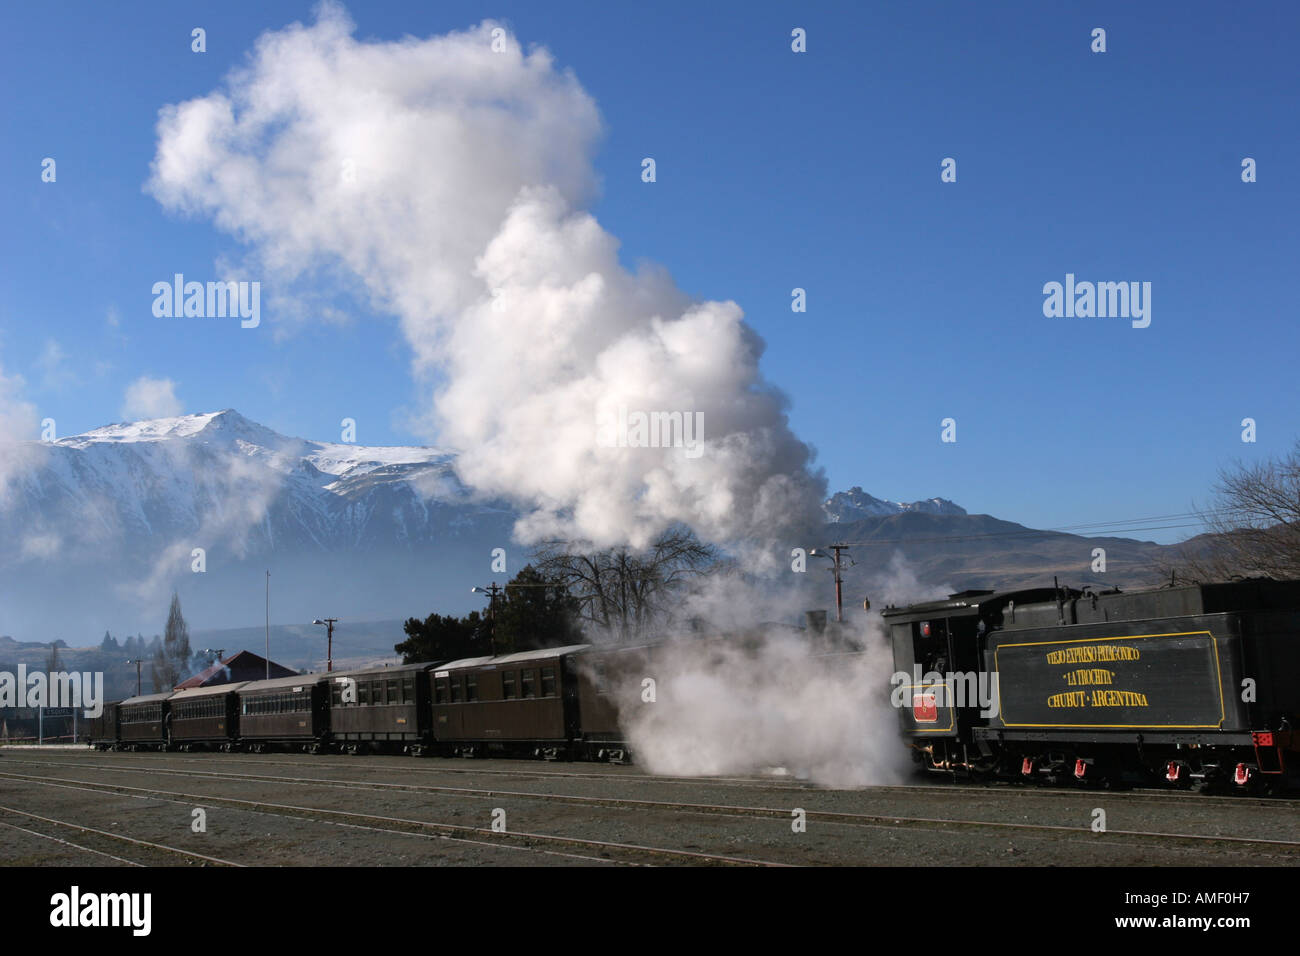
{"points": [[837, 567], [268, 624], [137, 662], [492, 592], [329, 623]]}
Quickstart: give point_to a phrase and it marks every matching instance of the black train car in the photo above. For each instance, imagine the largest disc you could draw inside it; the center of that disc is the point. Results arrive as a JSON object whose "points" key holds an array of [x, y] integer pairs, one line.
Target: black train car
{"points": [[144, 722], [381, 708], [284, 712], [514, 703], [1181, 684], [103, 734], [205, 717]]}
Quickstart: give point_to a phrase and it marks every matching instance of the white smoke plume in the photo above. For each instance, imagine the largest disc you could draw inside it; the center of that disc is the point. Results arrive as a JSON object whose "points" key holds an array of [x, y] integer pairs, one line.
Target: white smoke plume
{"points": [[814, 706], [898, 583], [447, 177], [767, 704]]}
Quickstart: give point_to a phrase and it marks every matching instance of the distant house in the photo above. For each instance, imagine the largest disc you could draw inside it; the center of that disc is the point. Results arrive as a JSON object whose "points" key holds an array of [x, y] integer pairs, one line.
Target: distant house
{"points": [[242, 666]]}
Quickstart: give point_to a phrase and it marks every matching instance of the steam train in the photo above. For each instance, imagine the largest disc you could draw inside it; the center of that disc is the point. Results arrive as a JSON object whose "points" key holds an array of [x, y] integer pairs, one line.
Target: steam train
{"points": [[1186, 686], [1197, 685]]}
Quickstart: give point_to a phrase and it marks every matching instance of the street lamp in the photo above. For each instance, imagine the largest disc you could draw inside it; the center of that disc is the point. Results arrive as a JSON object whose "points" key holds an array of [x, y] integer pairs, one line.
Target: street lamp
{"points": [[328, 623], [492, 593]]}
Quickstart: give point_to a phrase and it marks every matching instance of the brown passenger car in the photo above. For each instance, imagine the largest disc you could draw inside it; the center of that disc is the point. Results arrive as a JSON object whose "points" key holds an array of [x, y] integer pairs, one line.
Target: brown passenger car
{"points": [[291, 712], [381, 708], [525, 702], [205, 717], [610, 686], [143, 722], [103, 733]]}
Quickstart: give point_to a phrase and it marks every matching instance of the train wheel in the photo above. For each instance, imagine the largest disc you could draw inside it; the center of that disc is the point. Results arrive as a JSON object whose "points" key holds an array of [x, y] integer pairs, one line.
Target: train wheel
{"points": [[1178, 775], [1247, 779]]}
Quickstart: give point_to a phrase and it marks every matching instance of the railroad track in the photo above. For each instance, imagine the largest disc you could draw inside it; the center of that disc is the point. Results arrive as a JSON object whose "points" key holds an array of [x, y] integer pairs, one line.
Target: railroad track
{"points": [[482, 836], [459, 766], [121, 837], [1137, 795], [868, 820]]}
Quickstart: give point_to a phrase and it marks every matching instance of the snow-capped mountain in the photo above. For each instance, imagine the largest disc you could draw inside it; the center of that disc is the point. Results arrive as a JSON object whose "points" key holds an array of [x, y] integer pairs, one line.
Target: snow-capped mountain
{"points": [[220, 480], [855, 504], [206, 503]]}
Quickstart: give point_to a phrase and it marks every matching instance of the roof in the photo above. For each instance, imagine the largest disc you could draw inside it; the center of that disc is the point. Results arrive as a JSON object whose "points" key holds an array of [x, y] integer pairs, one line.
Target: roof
{"points": [[192, 692], [242, 661], [542, 654], [276, 683], [363, 671], [147, 698], [974, 599], [202, 677]]}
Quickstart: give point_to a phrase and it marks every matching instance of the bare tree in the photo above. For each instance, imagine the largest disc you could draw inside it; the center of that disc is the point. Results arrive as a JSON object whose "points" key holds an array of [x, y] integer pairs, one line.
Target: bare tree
{"points": [[623, 591], [1253, 525]]}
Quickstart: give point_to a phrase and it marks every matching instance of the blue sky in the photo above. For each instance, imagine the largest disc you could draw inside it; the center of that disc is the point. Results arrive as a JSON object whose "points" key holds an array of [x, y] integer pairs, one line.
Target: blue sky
{"points": [[775, 170]]}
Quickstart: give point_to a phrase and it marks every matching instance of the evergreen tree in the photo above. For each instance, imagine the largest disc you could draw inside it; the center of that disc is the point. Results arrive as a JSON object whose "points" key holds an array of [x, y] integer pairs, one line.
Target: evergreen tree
{"points": [[535, 612], [171, 661], [176, 639], [444, 638]]}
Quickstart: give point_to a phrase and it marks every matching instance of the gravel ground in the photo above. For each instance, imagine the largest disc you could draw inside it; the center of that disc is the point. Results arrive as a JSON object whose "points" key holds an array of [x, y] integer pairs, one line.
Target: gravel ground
{"points": [[156, 795]]}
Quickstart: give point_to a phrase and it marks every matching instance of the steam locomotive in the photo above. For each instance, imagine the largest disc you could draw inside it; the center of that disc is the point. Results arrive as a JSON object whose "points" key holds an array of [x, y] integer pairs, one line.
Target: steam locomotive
{"points": [[1186, 686], [1197, 685]]}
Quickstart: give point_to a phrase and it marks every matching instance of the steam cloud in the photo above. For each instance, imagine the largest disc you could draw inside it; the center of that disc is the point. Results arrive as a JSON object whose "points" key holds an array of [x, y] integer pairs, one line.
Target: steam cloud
{"points": [[767, 701], [449, 179], [724, 708]]}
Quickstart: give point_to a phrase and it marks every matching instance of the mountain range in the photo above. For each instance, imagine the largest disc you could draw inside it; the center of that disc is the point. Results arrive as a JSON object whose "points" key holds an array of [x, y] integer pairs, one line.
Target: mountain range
{"points": [[97, 529], [855, 504]]}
